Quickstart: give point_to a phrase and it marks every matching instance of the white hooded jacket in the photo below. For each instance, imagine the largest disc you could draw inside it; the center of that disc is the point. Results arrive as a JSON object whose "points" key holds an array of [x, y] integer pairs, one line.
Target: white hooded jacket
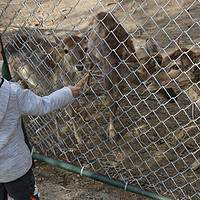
{"points": [[15, 157]]}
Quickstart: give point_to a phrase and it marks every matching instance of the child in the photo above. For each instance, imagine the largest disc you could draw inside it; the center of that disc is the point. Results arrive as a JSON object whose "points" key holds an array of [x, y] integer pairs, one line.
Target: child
{"points": [[16, 177]]}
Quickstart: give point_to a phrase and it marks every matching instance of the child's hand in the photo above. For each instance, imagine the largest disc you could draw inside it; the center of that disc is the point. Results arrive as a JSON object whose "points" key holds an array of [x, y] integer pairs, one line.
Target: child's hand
{"points": [[80, 83], [75, 90]]}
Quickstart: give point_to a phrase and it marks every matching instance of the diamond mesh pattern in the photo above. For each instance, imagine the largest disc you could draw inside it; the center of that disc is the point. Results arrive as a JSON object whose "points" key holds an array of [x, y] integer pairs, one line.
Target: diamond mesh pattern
{"points": [[156, 142]]}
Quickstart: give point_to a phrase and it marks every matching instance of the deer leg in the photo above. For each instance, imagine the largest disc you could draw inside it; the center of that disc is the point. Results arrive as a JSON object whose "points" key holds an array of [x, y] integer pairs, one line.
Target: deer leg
{"points": [[114, 107], [193, 111], [71, 113], [110, 104], [112, 98], [57, 128], [111, 128]]}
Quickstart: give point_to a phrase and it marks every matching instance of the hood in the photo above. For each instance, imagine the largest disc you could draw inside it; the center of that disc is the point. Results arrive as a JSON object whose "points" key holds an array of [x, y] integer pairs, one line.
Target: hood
{"points": [[4, 97]]}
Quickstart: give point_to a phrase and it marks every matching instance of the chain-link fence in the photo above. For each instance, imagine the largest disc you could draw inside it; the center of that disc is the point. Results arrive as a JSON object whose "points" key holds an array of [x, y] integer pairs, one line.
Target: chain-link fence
{"points": [[137, 119]]}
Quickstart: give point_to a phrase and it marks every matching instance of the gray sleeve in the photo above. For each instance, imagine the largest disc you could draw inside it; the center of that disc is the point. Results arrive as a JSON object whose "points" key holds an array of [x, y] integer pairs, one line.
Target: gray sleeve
{"points": [[32, 104]]}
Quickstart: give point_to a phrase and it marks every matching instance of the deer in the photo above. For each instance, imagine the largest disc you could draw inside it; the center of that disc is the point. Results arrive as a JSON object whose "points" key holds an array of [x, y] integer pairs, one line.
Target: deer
{"points": [[180, 69], [111, 49], [45, 66]]}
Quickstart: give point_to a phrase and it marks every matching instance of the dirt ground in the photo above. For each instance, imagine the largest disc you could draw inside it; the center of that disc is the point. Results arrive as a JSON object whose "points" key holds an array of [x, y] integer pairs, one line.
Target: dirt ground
{"points": [[59, 184], [159, 141], [55, 183]]}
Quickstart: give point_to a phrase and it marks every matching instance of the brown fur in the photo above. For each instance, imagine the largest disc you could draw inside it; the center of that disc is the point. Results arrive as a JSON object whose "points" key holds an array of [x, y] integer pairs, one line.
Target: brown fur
{"points": [[172, 75], [41, 64], [75, 47], [180, 61], [110, 47], [44, 66]]}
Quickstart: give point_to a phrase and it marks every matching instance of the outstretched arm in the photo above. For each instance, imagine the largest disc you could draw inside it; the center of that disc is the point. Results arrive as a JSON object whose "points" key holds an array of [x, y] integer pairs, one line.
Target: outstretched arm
{"points": [[32, 104]]}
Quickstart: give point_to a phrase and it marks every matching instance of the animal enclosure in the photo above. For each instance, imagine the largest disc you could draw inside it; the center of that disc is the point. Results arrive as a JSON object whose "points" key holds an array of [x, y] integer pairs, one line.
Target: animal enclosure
{"points": [[137, 118]]}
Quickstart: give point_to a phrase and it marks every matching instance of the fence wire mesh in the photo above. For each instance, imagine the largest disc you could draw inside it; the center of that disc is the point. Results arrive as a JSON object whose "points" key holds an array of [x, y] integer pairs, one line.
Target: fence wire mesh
{"points": [[137, 120]]}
